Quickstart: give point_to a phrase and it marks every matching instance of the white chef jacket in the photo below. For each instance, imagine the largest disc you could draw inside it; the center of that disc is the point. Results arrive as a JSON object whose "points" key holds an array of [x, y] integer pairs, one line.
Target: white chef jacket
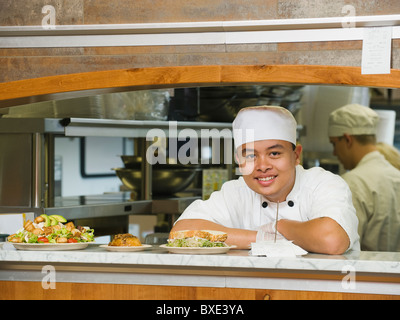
{"points": [[375, 185], [316, 193]]}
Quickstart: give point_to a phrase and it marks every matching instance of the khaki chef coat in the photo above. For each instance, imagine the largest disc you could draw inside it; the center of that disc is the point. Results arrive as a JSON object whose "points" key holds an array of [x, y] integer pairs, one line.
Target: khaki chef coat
{"points": [[316, 193], [375, 185]]}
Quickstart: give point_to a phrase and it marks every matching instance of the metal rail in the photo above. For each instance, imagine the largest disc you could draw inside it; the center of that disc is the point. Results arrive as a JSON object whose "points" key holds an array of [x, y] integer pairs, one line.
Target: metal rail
{"points": [[195, 33]]}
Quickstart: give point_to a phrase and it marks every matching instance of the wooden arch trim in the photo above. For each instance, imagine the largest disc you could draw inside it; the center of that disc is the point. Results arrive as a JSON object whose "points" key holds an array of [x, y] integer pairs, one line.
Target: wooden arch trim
{"points": [[162, 77]]}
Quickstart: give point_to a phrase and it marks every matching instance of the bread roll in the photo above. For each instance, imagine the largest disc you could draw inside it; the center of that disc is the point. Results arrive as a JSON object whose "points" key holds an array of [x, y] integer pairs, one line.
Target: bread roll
{"points": [[125, 239]]}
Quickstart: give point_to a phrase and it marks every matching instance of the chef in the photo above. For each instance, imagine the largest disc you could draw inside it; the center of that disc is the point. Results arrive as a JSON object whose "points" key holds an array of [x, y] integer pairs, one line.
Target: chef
{"points": [[374, 182], [315, 206]]}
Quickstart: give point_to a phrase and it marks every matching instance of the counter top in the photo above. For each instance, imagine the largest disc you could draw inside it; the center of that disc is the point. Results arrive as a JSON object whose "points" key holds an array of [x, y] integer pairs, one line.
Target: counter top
{"points": [[362, 262], [370, 272]]}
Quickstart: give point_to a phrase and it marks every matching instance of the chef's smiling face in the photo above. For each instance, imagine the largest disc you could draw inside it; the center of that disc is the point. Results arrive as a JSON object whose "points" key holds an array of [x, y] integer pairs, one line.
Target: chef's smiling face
{"points": [[268, 167]]}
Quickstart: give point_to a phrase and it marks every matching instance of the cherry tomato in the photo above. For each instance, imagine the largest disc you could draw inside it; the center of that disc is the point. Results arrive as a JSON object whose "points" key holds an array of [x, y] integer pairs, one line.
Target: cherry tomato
{"points": [[43, 240], [72, 240]]}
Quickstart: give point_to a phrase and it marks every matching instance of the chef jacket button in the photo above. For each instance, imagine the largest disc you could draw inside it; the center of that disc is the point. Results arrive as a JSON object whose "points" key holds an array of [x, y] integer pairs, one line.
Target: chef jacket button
{"points": [[265, 204], [290, 203]]}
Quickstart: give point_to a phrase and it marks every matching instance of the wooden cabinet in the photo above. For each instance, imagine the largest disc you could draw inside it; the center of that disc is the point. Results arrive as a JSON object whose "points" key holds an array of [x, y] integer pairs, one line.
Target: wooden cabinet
{"points": [[26, 290]]}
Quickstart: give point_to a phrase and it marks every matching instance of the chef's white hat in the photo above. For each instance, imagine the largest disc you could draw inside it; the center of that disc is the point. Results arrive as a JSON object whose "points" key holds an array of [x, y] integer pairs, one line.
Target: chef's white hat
{"points": [[353, 119], [264, 123]]}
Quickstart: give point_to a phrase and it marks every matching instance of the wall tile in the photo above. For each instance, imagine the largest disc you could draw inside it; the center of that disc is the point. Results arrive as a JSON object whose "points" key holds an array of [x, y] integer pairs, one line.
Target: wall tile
{"points": [[141, 11], [24, 13], [289, 9]]}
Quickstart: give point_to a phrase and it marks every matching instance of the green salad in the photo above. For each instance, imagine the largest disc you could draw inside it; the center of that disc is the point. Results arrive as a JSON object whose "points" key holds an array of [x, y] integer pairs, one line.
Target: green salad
{"points": [[51, 229]]}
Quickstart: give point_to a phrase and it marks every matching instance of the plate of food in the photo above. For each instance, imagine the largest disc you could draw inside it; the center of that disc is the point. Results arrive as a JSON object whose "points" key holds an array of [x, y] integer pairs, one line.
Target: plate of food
{"points": [[197, 242], [125, 242], [51, 233], [50, 246]]}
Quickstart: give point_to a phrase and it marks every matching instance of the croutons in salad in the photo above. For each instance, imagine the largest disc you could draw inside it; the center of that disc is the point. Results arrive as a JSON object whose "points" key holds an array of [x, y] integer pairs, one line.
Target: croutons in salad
{"points": [[51, 229]]}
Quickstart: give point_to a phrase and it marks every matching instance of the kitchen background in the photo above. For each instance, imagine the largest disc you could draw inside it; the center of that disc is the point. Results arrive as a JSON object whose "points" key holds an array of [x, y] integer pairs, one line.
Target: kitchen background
{"points": [[85, 166], [27, 63]]}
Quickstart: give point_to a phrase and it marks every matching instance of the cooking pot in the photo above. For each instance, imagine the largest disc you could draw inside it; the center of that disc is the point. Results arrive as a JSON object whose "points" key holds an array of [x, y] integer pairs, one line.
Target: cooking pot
{"points": [[165, 180], [135, 162]]}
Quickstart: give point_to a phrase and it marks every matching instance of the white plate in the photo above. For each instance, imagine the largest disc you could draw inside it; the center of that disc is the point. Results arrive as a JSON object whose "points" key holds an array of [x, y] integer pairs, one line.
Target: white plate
{"points": [[197, 250], [50, 246], [126, 248]]}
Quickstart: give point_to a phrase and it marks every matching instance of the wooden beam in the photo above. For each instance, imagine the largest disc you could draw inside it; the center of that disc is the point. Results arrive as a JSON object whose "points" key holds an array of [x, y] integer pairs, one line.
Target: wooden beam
{"points": [[308, 74], [189, 76]]}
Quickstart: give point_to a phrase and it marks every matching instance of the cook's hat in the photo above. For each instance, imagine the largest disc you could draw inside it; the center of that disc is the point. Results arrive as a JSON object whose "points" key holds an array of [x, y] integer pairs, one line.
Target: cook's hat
{"points": [[264, 123], [353, 119]]}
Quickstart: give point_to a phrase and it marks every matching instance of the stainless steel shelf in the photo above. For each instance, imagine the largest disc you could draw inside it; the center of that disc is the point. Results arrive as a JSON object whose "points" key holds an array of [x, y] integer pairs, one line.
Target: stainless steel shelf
{"points": [[31, 125], [82, 127], [98, 206], [141, 128], [172, 205], [88, 211]]}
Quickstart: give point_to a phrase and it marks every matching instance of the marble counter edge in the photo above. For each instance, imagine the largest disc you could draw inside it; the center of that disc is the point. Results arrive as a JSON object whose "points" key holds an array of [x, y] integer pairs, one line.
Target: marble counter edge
{"points": [[237, 259]]}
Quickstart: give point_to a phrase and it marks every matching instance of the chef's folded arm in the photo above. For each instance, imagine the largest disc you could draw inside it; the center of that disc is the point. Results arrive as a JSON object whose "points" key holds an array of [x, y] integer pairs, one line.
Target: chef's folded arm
{"points": [[320, 235]]}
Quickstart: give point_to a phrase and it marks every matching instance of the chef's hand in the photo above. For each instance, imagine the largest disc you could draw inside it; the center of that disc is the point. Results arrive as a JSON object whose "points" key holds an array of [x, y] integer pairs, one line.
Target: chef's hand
{"points": [[267, 232]]}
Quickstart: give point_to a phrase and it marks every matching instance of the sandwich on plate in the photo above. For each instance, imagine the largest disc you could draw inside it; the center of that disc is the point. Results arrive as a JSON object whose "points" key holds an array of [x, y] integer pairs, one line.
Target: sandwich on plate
{"points": [[197, 238]]}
